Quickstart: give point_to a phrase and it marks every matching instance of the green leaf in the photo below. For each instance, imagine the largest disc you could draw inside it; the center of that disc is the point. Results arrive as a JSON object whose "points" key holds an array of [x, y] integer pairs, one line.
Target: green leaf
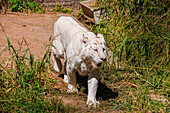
{"points": [[9, 44], [31, 59]]}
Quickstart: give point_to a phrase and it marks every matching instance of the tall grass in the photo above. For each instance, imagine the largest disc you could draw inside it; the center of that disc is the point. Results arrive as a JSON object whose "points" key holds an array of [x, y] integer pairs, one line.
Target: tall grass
{"points": [[137, 32], [25, 86]]}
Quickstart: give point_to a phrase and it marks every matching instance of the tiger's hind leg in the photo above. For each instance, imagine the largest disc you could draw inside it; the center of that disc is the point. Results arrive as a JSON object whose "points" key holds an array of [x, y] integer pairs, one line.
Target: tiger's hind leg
{"points": [[57, 53]]}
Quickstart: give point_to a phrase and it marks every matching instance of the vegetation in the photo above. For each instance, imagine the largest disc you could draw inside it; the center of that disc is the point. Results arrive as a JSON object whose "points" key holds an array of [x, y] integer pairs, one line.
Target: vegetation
{"points": [[137, 34], [26, 5], [80, 13], [3, 5], [25, 86], [59, 8]]}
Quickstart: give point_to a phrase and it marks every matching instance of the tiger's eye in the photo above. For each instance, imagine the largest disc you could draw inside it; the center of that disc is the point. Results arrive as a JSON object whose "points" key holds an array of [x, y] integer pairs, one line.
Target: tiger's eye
{"points": [[96, 50]]}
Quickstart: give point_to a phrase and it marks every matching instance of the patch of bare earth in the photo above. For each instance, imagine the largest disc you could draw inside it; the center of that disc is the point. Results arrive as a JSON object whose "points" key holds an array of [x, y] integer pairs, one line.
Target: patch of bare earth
{"points": [[35, 28]]}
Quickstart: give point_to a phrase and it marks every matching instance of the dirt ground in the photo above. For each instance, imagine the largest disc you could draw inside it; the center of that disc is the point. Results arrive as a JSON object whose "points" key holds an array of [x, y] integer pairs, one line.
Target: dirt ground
{"points": [[37, 29]]}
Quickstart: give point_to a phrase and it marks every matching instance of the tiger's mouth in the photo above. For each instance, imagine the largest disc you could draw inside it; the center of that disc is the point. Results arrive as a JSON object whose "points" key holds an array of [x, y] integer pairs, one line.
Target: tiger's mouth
{"points": [[96, 65]]}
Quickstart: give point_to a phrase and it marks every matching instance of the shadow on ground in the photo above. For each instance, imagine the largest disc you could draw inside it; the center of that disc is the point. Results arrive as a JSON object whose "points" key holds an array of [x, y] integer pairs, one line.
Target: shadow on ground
{"points": [[103, 92]]}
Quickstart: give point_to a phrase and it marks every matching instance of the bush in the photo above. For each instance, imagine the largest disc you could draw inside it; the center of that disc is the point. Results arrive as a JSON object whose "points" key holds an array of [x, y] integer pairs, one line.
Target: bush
{"points": [[137, 32], [59, 8], [26, 5]]}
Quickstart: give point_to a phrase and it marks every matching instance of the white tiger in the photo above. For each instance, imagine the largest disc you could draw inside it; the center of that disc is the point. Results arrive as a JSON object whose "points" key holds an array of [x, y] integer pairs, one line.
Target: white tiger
{"points": [[83, 51]]}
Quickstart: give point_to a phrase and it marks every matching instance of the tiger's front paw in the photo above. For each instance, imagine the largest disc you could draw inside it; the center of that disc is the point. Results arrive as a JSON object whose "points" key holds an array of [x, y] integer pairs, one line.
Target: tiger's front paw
{"points": [[93, 103]]}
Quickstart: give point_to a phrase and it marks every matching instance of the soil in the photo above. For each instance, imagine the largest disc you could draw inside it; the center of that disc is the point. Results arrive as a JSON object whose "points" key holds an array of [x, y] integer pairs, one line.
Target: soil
{"points": [[36, 29]]}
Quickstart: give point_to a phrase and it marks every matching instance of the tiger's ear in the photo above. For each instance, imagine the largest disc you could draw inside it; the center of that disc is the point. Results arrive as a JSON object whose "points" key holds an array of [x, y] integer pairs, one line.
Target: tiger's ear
{"points": [[100, 36], [84, 39]]}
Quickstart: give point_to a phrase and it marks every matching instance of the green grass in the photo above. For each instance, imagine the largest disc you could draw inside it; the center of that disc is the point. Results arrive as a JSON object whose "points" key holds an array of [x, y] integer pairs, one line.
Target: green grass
{"points": [[137, 32], [24, 81], [26, 5], [60, 8]]}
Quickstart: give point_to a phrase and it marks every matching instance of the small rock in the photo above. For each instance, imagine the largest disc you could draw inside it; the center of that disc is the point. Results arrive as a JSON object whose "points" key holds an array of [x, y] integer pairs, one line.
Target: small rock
{"points": [[24, 25], [25, 14]]}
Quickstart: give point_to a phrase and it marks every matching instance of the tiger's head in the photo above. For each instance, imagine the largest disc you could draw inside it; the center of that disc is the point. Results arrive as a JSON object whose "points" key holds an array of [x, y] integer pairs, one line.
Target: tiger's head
{"points": [[94, 49]]}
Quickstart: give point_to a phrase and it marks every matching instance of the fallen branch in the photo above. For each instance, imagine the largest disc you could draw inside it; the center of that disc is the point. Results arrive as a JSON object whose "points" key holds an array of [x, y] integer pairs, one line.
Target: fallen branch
{"points": [[11, 13]]}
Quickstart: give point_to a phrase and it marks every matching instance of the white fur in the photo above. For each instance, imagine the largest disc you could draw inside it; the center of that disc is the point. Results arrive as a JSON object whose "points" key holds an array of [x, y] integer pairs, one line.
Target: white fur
{"points": [[83, 51]]}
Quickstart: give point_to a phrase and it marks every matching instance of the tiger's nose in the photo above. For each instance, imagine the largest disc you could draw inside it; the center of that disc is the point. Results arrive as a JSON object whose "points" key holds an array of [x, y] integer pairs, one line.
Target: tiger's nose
{"points": [[103, 59]]}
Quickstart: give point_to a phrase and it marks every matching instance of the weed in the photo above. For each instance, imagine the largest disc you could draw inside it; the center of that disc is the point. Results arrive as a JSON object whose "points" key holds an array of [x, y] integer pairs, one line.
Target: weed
{"points": [[25, 84], [59, 8], [80, 13]]}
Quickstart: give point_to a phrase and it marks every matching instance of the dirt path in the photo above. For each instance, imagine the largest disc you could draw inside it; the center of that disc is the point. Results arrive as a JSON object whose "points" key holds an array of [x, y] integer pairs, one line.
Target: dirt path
{"points": [[35, 28]]}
